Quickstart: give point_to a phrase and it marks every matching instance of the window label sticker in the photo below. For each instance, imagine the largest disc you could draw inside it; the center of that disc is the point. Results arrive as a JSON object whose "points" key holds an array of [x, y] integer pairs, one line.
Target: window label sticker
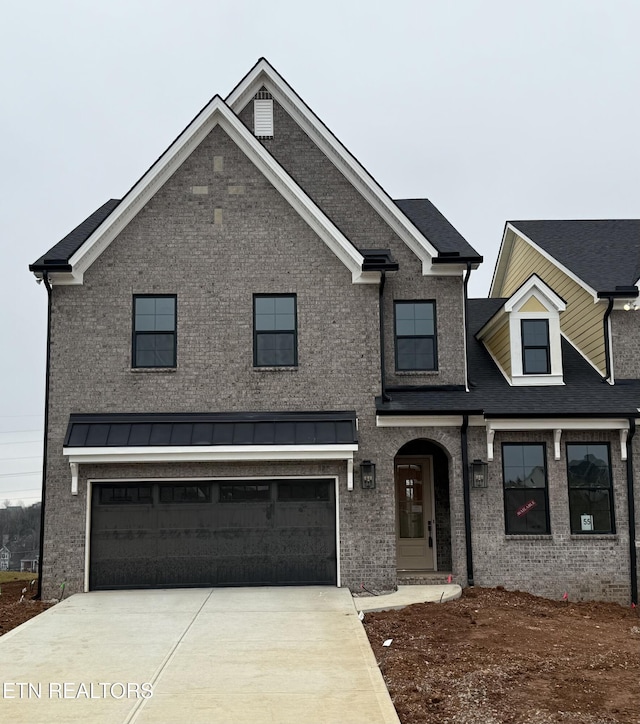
{"points": [[524, 509]]}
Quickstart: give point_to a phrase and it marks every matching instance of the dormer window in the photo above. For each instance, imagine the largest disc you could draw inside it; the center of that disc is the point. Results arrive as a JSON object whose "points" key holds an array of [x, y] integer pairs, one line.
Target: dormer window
{"points": [[535, 347], [523, 336]]}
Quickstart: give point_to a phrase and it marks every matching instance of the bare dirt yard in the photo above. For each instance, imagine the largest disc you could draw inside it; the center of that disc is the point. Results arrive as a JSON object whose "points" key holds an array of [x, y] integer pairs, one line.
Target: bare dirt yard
{"points": [[13, 611], [498, 656]]}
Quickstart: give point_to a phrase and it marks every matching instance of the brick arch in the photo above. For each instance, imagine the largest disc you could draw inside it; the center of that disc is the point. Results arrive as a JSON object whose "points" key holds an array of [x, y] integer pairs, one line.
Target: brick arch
{"points": [[426, 447]]}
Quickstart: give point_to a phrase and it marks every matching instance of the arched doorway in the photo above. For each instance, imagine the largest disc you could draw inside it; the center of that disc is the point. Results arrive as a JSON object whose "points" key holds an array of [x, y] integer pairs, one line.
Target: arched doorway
{"points": [[423, 519]]}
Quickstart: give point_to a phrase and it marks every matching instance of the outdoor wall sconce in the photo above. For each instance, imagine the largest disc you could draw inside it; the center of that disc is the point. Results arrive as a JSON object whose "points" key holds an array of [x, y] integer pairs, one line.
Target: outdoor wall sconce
{"points": [[368, 474], [479, 474]]}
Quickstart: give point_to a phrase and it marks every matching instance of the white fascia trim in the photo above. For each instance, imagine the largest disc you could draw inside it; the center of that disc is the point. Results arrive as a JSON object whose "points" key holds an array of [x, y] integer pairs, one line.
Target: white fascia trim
{"points": [[427, 420], [555, 262], [558, 423], [263, 74], [215, 113], [535, 287], [207, 453], [505, 248], [536, 380]]}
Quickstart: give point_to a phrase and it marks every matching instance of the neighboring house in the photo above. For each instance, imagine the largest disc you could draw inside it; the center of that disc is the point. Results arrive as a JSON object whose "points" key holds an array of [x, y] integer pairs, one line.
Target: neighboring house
{"points": [[5, 558], [263, 370]]}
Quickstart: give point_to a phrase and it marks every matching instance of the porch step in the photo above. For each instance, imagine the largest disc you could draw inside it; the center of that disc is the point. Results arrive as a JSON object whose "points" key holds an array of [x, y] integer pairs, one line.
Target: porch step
{"points": [[423, 578]]}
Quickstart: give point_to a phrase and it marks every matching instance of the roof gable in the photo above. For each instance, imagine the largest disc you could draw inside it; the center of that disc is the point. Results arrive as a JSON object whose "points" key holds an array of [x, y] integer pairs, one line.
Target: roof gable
{"points": [[263, 75], [107, 222], [600, 255]]}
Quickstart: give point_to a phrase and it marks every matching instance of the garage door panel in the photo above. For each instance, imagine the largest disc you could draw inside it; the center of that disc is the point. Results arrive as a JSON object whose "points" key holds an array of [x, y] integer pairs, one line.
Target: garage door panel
{"points": [[211, 534]]}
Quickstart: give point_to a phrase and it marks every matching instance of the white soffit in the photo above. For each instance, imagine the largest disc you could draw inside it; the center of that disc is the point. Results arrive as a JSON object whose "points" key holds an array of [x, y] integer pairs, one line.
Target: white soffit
{"points": [[263, 74], [216, 112]]}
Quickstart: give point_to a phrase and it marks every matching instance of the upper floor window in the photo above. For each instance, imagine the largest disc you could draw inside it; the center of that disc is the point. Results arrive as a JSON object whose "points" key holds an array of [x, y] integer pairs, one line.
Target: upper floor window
{"points": [[154, 331], [526, 504], [275, 334], [536, 359], [415, 332], [590, 488]]}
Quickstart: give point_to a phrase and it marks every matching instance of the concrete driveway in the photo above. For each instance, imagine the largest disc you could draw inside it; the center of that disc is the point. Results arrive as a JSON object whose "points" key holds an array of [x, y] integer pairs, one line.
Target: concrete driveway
{"points": [[224, 655]]}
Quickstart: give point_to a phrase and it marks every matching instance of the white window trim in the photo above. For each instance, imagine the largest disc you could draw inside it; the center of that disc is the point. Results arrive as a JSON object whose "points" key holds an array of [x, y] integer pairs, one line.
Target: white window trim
{"points": [[535, 288]]}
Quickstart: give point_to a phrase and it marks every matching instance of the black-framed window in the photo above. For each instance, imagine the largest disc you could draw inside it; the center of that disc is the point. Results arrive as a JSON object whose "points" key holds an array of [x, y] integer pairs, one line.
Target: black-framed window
{"points": [[154, 330], [536, 358], [590, 488], [275, 330], [415, 332], [526, 499]]}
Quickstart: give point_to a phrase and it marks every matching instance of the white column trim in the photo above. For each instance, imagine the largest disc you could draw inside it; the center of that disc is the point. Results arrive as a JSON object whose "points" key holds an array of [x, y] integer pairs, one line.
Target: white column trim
{"points": [[557, 434], [74, 477], [624, 434], [490, 433]]}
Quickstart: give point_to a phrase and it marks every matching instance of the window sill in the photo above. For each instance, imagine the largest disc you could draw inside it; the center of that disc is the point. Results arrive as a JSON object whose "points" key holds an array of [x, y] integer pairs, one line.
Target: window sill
{"points": [[525, 536], [283, 368], [155, 370], [594, 536], [415, 373]]}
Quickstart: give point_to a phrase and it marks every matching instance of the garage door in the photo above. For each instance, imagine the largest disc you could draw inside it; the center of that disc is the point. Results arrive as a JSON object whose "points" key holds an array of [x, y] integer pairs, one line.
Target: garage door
{"points": [[222, 533]]}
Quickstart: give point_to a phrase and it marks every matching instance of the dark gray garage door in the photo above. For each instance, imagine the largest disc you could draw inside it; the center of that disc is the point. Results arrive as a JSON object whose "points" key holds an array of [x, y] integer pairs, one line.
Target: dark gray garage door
{"points": [[203, 533]]}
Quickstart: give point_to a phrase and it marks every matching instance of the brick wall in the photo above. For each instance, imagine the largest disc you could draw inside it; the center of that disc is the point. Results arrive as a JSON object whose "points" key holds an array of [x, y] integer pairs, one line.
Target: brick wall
{"points": [[585, 566]]}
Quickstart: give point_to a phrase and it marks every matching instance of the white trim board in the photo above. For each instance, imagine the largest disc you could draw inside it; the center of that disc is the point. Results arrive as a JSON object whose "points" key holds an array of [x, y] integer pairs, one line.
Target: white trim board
{"points": [[206, 453]]}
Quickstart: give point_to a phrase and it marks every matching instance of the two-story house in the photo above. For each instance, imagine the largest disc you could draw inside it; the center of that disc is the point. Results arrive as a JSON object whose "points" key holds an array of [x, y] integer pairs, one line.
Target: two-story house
{"points": [[264, 370]]}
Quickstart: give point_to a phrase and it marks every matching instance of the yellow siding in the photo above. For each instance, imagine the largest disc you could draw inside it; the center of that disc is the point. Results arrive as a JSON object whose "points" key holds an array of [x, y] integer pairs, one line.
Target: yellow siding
{"points": [[533, 305], [582, 320], [499, 346]]}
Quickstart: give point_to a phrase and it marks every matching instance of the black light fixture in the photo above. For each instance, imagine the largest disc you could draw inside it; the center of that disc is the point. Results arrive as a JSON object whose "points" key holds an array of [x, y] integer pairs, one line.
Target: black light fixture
{"points": [[479, 474], [368, 474]]}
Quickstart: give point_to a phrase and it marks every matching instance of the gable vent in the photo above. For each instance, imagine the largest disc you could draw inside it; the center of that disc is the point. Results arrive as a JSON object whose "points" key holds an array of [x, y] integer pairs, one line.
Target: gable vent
{"points": [[263, 114]]}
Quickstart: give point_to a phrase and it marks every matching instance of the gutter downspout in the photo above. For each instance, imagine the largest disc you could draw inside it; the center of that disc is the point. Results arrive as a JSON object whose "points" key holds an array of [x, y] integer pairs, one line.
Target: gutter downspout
{"points": [[383, 387], [607, 346], [632, 514], [466, 496], [45, 279], [465, 310]]}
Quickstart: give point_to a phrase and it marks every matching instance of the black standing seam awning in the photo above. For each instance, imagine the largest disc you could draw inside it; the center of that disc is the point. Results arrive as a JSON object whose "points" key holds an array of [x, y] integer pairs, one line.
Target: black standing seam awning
{"points": [[211, 429]]}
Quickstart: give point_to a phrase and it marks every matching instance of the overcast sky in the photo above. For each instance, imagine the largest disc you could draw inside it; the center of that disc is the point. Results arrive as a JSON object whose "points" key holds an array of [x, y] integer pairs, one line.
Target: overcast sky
{"points": [[494, 110]]}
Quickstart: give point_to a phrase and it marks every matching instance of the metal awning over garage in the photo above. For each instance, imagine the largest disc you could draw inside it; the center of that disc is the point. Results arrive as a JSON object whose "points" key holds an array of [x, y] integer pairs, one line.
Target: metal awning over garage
{"points": [[202, 437]]}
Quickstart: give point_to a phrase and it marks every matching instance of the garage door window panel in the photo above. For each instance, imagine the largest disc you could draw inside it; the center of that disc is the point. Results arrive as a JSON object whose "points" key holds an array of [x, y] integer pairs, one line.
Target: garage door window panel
{"points": [[243, 493], [185, 493]]}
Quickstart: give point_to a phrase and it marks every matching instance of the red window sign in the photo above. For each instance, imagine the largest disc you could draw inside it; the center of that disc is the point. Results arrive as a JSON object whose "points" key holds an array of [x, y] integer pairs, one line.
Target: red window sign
{"points": [[524, 509]]}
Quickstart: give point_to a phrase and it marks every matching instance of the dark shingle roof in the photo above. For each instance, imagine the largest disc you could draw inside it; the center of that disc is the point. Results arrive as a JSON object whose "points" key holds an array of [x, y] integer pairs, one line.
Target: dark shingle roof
{"points": [[221, 428], [430, 222], [60, 254], [604, 254], [583, 394]]}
